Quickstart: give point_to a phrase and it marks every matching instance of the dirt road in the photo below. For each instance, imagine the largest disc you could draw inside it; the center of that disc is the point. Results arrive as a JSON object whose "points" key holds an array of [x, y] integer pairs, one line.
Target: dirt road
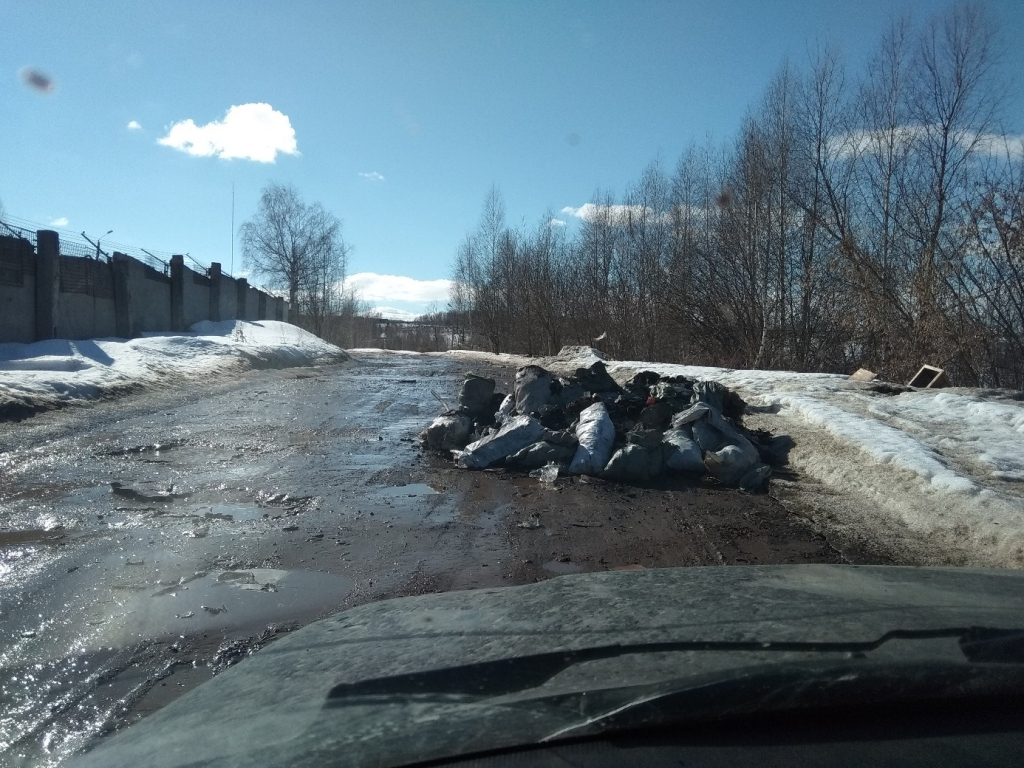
{"points": [[147, 543]]}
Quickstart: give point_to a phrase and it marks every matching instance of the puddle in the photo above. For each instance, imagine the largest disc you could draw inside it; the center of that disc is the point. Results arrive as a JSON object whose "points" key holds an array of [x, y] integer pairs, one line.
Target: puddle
{"points": [[221, 600], [96, 495], [556, 566], [412, 489], [153, 448], [34, 536], [230, 512]]}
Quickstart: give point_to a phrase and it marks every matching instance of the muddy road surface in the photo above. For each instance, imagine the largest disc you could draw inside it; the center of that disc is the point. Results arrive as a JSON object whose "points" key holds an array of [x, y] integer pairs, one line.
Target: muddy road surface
{"points": [[148, 543]]}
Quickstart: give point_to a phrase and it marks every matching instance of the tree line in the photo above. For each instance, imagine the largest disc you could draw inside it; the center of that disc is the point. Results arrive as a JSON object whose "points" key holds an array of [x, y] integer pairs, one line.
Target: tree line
{"points": [[870, 221]]}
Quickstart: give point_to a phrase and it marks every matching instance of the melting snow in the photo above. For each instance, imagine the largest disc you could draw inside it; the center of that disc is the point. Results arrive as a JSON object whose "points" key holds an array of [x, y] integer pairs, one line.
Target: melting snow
{"points": [[946, 463], [58, 372]]}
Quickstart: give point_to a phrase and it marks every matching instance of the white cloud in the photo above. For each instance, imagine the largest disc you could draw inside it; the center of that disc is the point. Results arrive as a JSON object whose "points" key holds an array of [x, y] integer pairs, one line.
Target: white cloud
{"points": [[381, 288], [393, 313], [248, 132], [372, 176], [133, 125], [556, 223], [615, 214], [904, 137], [61, 221]]}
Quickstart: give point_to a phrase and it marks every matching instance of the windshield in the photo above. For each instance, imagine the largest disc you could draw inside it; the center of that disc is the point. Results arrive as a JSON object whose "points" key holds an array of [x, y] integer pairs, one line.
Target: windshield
{"points": [[306, 307]]}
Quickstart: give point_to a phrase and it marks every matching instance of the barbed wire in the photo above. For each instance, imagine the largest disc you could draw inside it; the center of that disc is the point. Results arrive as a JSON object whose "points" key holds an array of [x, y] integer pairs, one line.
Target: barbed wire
{"points": [[75, 244]]}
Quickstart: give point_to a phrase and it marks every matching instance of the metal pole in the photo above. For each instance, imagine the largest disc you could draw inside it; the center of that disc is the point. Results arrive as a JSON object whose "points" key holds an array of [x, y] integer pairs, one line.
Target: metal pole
{"points": [[232, 228]]}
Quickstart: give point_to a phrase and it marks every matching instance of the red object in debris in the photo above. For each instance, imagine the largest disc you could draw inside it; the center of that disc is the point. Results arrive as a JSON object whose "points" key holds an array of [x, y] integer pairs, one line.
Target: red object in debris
{"points": [[650, 400]]}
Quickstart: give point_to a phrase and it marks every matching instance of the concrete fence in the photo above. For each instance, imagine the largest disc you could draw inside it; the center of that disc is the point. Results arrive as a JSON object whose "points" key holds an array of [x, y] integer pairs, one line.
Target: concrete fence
{"points": [[45, 295]]}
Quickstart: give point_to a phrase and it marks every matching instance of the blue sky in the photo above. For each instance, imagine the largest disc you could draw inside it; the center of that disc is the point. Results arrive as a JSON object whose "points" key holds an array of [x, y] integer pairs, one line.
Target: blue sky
{"points": [[397, 116]]}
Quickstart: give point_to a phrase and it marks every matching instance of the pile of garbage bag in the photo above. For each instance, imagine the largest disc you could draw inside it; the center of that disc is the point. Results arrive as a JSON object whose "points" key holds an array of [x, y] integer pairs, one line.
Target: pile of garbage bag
{"points": [[587, 424]]}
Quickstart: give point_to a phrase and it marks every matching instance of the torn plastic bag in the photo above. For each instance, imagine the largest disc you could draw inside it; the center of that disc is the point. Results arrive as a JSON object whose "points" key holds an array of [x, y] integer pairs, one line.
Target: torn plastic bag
{"points": [[707, 437], [540, 453], [754, 477], [666, 391], [547, 475], [681, 453], [632, 464], [712, 431], [517, 433], [532, 389], [690, 415], [505, 409], [564, 437], [729, 464], [710, 392], [596, 434], [447, 432]]}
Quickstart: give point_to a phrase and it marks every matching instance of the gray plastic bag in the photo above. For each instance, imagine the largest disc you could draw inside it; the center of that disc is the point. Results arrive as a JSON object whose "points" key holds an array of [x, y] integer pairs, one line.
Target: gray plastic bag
{"points": [[681, 453], [596, 434], [516, 434], [447, 432]]}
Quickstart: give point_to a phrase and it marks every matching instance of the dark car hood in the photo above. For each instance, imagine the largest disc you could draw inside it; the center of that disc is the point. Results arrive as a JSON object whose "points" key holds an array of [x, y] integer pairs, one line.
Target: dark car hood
{"points": [[327, 693]]}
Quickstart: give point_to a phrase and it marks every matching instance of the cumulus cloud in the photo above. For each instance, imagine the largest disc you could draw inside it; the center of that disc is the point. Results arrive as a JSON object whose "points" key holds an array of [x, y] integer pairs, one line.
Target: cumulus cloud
{"points": [[614, 214], [372, 175], [556, 223], [61, 221], [133, 125], [905, 136], [385, 288], [255, 132]]}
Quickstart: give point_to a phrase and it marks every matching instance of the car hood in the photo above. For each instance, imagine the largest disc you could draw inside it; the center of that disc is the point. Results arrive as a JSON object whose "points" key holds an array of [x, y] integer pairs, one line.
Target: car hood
{"points": [[391, 683]]}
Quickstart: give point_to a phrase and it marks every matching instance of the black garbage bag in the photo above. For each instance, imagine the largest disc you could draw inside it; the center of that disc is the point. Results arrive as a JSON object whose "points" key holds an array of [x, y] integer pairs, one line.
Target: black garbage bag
{"points": [[476, 395], [533, 389], [595, 378]]}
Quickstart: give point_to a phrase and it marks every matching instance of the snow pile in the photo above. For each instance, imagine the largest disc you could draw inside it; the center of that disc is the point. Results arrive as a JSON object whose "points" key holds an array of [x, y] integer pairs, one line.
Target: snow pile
{"points": [[948, 464], [51, 374]]}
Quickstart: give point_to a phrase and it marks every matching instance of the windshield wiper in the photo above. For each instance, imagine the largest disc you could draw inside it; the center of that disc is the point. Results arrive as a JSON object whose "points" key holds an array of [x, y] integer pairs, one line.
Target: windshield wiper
{"points": [[505, 676], [810, 687]]}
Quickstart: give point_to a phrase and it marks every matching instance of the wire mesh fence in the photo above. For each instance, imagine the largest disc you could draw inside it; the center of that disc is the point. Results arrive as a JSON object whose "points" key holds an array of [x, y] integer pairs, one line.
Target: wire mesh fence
{"points": [[10, 227], [80, 245]]}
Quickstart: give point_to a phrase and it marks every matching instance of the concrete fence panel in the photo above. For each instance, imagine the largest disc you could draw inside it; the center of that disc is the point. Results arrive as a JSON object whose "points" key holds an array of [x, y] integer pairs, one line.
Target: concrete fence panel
{"points": [[252, 304], [149, 299], [17, 290], [85, 308], [45, 295], [228, 298], [196, 304]]}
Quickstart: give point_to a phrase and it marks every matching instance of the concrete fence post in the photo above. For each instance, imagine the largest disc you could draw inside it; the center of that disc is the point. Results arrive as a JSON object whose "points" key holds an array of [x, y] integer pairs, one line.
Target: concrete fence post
{"points": [[261, 313], [47, 283], [242, 285], [215, 291], [122, 296], [177, 293]]}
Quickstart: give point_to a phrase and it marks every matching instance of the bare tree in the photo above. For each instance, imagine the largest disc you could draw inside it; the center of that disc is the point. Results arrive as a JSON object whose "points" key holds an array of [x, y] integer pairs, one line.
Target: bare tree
{"points": [[297, 247], [843, 226]]}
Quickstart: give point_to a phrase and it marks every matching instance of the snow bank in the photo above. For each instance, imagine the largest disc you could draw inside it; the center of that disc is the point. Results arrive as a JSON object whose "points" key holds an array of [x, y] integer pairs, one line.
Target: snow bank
{"points": [[52, 374], [948, 464]]}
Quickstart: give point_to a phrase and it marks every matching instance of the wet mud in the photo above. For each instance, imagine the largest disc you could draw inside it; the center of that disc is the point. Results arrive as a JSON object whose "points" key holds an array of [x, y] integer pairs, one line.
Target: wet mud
{"points": [[148, 544]]}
